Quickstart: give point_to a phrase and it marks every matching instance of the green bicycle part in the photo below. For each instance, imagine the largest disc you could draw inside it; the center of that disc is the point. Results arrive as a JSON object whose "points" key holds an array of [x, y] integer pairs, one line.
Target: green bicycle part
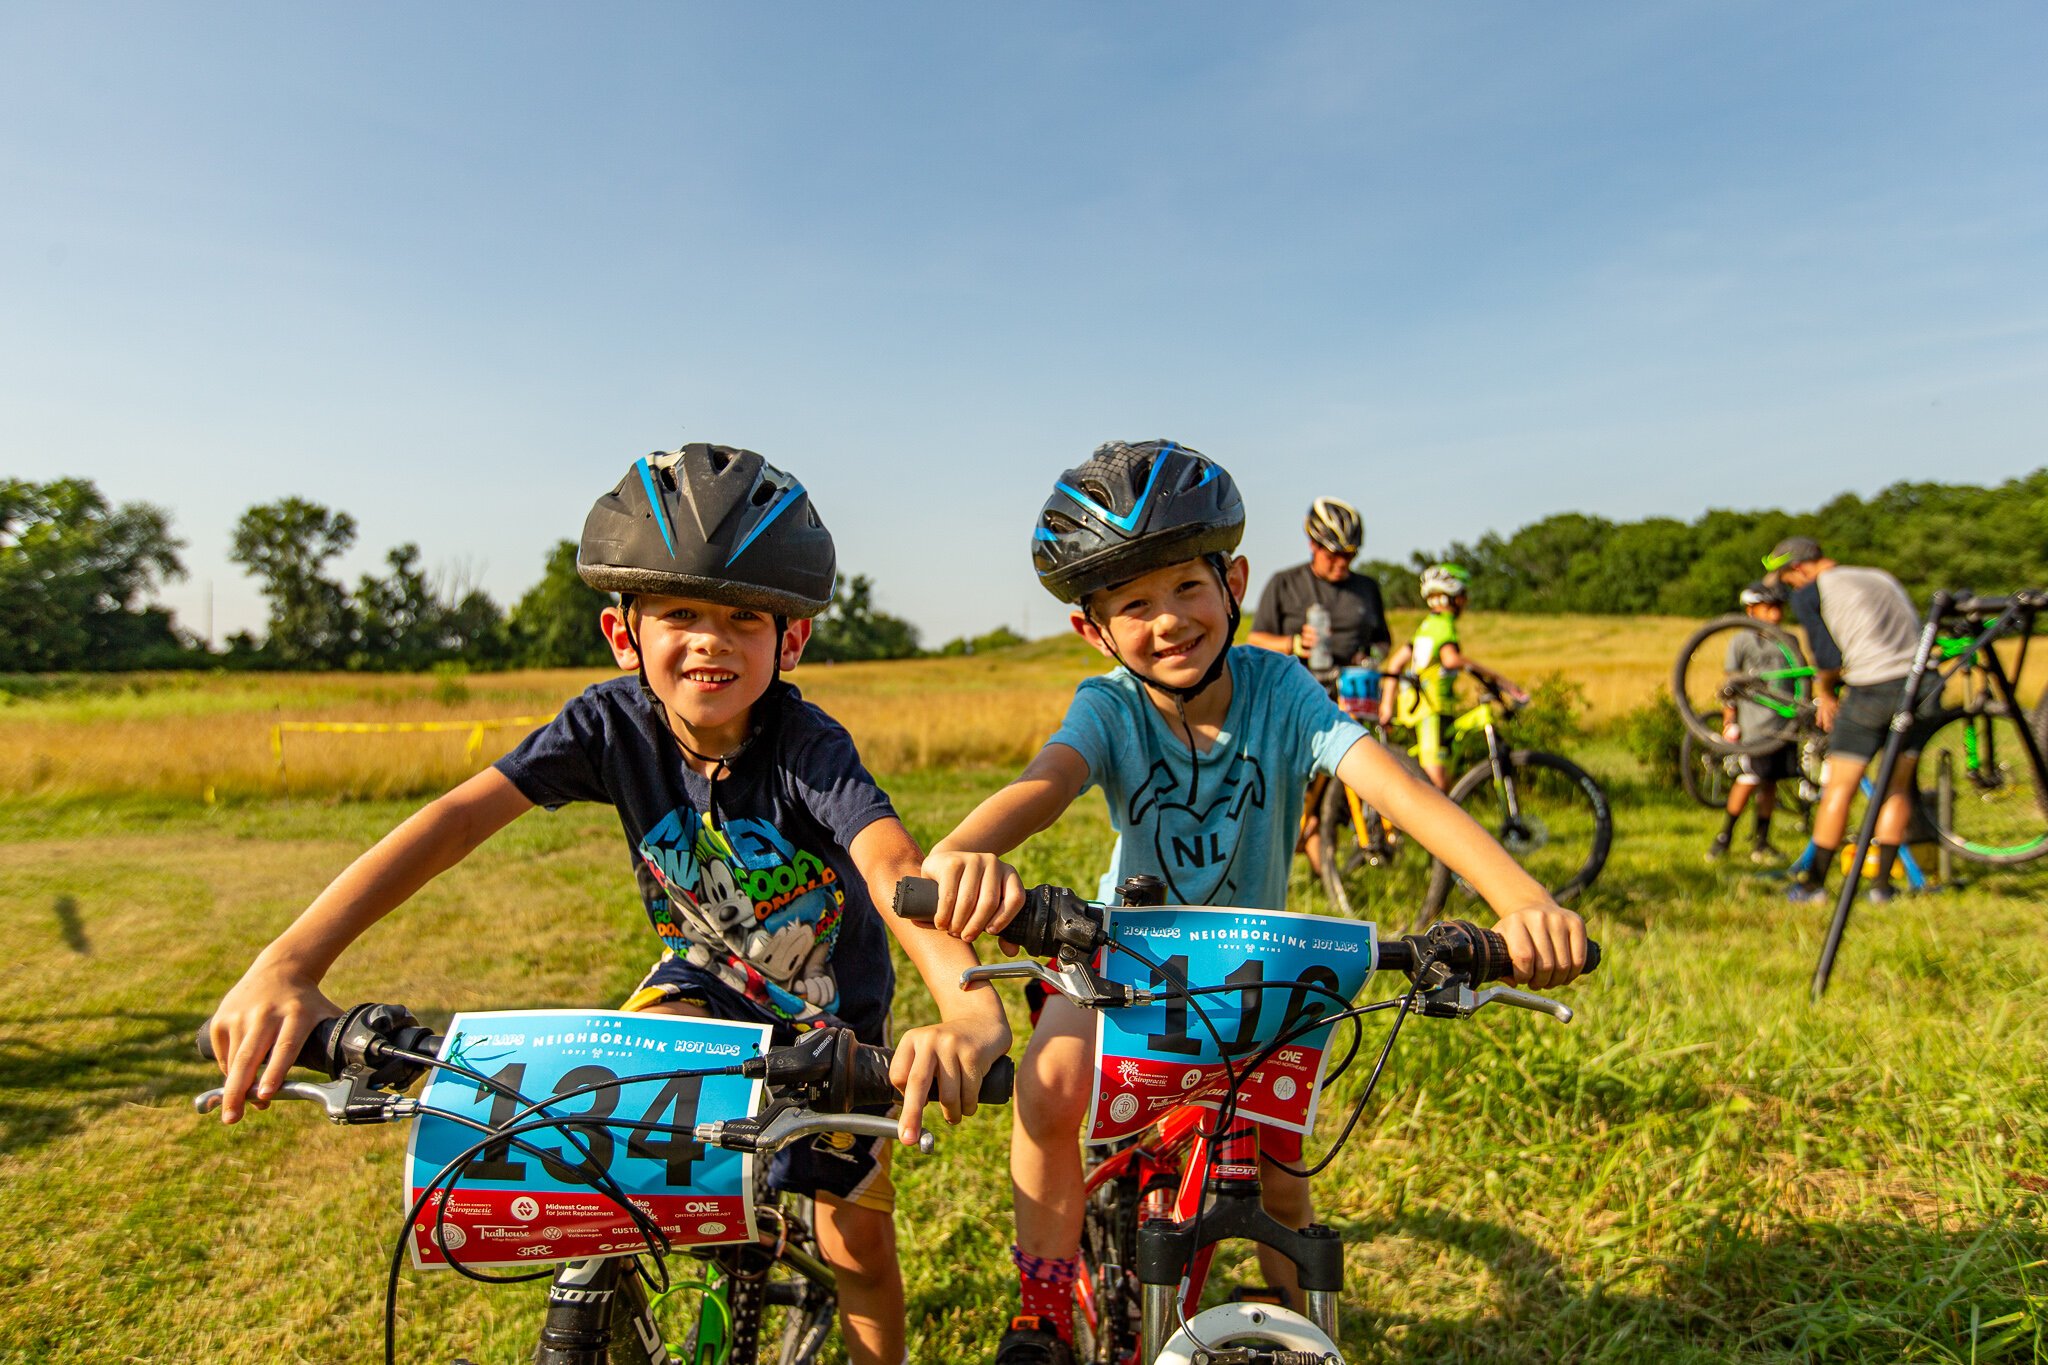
{"points": [[714, 1317]]}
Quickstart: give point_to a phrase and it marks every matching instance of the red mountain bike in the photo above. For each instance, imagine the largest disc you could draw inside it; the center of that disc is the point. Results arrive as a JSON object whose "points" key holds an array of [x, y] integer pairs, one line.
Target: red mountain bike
{"points": [[1160, 1201]]}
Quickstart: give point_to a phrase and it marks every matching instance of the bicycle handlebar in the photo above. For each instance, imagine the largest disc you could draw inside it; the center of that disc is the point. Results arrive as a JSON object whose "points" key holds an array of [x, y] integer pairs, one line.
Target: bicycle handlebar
{"points": [[830, 1071], [1055, 922]]}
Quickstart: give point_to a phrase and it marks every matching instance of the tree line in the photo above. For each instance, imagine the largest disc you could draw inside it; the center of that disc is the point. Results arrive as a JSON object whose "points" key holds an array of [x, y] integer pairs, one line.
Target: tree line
{"points": [[1931, 535], [77, 575]]}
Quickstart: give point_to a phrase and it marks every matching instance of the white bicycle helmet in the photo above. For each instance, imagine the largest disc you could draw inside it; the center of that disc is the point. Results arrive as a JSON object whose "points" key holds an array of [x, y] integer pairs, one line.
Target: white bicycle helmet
{"points": [[1445, 580]]}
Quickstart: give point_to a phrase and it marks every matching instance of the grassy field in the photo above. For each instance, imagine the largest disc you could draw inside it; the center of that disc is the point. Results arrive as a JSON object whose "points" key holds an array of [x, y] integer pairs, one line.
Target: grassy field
{"points": [[1701, 1168], [191, 735]]}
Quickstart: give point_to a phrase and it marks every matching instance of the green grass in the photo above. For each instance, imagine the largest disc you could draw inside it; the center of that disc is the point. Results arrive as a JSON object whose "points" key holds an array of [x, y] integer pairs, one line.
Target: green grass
{"points": [[1702, 1167]]}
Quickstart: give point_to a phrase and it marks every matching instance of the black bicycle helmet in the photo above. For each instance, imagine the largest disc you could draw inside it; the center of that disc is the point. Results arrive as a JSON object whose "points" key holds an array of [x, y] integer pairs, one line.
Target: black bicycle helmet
{"points": [[1132, 509], [1765, 594], [1336, 526], [711, 522]]}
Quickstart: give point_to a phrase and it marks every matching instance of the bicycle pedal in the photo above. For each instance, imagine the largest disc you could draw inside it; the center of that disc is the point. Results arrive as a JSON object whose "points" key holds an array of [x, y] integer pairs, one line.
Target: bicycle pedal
{"points": [[1259, 1293]]}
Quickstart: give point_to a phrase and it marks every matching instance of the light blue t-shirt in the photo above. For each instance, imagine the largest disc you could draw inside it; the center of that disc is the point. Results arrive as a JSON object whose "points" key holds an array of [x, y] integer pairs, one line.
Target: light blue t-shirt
{"points": [[1222, 834]]}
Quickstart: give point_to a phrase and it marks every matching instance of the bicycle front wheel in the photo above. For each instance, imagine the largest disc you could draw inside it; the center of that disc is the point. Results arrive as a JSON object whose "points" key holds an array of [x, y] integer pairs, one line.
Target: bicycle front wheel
{"points": [[1363, 855], [1997, 809], [1547, 811], [1734, 660]]}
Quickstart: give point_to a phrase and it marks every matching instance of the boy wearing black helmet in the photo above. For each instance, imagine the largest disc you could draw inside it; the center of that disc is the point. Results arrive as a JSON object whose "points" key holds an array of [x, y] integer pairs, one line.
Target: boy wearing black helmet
{"points": [[1758, 774], [758, 840], [1214, 741]]}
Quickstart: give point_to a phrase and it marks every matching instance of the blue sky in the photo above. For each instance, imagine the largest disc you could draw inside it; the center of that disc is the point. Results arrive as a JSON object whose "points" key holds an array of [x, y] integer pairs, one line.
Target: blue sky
{"points": [[452, 267]]}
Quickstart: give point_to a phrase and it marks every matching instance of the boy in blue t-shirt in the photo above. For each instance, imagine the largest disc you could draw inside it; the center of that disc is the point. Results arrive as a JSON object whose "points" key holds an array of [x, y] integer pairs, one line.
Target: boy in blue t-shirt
{"points": [[1203, 752], [757, 838]]}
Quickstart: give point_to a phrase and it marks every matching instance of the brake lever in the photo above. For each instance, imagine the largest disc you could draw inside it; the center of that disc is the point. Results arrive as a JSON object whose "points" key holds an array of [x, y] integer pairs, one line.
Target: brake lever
{"points": [[781, 1126], [1077, 981], [1460, 1001], [343, 1101]]}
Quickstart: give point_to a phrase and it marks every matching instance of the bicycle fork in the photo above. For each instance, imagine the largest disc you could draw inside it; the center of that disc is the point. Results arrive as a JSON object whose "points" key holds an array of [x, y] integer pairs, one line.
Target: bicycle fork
{"points": [[593, 1308], [1224, 1183]]}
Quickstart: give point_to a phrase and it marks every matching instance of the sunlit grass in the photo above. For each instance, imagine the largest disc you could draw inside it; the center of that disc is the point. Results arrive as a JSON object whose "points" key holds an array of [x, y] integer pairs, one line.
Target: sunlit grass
{"points": [[1701, 1168]]}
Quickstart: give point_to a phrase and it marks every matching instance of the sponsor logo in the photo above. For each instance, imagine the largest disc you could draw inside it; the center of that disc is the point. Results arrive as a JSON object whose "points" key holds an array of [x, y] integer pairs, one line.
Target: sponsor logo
{"points": [[701, 1206], [542, 1250], [712, 1229], [452, 1238], [552, 1234], [526, 1208], [1283, 1089], [1123, 1108], [1191, 1078], [560, 1295], [1289, 1056]]}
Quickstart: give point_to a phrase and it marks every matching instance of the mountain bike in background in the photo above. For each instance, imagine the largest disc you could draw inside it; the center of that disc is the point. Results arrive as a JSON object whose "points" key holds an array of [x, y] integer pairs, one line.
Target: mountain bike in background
{"points": [[1978, 788]]}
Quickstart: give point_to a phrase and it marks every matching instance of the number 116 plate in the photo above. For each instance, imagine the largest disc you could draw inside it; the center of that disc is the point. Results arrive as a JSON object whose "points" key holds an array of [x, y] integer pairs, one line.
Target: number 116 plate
{"points": [[529, 1206]]}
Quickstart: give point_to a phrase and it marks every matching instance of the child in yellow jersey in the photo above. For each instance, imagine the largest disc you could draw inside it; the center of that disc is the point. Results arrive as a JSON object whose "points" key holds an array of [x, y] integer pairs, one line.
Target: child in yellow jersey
{"points": [[1435, 657]]}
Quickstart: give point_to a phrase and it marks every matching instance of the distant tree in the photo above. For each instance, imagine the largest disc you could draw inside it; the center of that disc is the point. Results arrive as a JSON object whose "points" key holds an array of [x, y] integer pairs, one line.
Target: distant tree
{"points": [[555, 624], [399, 623], [852, 628], [73, 573], [473, 630], [1002, 637], [285, 544], [1400, 584]]}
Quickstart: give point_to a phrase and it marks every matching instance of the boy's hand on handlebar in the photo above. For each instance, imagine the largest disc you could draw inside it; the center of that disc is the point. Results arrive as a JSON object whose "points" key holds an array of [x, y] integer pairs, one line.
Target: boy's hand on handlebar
{"points": [[1547, 944], [978, 893], [944, 1063], [268, 1012]]}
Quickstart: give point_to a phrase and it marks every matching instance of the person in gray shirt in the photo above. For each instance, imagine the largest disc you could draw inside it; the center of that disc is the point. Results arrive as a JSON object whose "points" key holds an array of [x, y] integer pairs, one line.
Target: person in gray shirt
{"points": [[1862, 630], [1758, 775]]}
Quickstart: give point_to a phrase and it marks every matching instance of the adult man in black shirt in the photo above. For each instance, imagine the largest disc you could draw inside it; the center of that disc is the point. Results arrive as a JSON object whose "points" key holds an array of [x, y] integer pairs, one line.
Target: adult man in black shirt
{"points": [[1358, 618]]}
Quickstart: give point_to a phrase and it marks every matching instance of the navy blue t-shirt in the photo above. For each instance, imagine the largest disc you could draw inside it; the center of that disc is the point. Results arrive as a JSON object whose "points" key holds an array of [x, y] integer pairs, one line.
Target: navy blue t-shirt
{"points": [[751, 882]]}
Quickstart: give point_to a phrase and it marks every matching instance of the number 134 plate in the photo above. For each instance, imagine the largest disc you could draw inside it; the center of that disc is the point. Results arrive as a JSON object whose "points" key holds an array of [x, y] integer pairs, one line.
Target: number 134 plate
{"points": [[527, 1206], [1153, 1058]]}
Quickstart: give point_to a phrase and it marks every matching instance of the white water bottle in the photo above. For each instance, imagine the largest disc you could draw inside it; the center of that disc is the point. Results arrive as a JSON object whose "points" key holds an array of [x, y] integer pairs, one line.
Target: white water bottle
{"points": [[1319, 652]]}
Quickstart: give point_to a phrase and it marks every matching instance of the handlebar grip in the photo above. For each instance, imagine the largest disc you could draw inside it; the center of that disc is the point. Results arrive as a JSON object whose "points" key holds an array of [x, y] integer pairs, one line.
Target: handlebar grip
{"points": [[1499, 968], [871, 1079], [917, 898], [315, 1053]]}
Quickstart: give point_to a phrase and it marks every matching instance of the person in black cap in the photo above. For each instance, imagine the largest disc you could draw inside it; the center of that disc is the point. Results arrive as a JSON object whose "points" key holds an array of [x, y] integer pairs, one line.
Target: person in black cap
{"points": [[1861, 630]]}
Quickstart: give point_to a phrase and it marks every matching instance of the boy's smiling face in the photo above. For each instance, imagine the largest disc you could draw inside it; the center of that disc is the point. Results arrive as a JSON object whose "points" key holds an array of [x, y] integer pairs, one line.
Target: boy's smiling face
{"points": [[707, 662], [1170, 623]]}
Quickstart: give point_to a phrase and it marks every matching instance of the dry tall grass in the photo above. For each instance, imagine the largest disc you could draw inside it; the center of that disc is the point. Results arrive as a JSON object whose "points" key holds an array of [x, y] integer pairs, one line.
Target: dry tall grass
{"points": [[208, 736]]}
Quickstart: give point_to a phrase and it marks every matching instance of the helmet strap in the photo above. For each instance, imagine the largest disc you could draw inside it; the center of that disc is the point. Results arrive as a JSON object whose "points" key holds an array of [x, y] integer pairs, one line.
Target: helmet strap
{"points": [[1181, 696]]}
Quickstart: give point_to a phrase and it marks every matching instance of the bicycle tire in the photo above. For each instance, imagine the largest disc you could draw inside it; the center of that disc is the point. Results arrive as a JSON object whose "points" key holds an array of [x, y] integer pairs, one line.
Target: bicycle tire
{"points": [[1685, 682], [1703, 773], [1109, 1257], [1589, 815], [1996, 821]]}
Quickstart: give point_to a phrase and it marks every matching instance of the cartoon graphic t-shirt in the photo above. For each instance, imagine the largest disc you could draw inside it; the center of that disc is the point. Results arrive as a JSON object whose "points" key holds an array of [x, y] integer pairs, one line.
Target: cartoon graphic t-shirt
{"points": [[1219, 831], [751, 882]]}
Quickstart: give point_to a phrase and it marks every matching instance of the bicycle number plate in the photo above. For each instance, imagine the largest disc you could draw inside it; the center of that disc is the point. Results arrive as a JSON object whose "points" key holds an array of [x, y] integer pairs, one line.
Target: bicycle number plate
{"points": [[1153, 1058], [515, 1205]]}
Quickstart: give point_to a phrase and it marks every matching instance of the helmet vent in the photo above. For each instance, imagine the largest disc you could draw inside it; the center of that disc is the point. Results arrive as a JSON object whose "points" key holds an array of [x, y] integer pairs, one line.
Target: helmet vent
{"points": [[764, 491], [668, 477], [719, 459]]}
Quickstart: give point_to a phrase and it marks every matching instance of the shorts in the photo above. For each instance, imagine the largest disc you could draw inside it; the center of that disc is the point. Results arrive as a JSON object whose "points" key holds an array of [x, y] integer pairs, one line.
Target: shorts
{"points": [[1772, 765], [1429, 737], [1865, 720], [853, 1170]]}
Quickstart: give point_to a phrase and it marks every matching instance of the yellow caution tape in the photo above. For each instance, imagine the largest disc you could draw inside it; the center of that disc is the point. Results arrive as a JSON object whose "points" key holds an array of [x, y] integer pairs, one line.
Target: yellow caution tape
{"points": [[473, 749]]}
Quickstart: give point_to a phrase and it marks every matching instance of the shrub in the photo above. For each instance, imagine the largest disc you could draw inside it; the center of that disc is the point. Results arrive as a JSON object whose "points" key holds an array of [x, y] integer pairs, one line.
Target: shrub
{"points": [[1652, 733]]}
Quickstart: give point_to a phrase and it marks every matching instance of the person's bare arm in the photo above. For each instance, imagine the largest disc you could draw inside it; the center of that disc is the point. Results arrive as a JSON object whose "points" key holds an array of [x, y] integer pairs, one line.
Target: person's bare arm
{"points": [[978, 892], [1827, 697], [943, 1061], [278, 1000], [1546, 941], [1279, 644], [1390, 680], [1455, 658]]}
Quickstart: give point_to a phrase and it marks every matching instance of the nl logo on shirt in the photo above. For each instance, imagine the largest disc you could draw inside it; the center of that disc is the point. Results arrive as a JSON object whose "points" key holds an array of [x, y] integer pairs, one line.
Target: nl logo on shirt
{"points": [[1152, 1058]]}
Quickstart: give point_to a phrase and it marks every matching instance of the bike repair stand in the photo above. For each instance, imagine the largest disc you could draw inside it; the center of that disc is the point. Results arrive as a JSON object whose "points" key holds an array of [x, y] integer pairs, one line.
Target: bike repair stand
{"points": [[1916, 880], [1172, 1254]]}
